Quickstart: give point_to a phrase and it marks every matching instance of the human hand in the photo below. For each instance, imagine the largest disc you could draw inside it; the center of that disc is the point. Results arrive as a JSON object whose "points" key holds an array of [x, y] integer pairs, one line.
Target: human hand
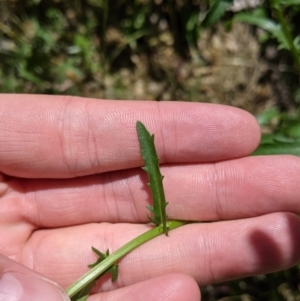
{"points": [[72, 179]]}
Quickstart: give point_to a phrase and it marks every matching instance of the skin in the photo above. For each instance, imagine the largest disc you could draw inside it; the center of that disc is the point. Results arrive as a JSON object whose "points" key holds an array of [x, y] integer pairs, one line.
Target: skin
{"points": [[71, 178]]}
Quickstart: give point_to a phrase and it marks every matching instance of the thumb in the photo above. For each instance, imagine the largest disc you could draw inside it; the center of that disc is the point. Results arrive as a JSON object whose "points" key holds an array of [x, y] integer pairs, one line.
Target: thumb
{"points": [[18, 283]]}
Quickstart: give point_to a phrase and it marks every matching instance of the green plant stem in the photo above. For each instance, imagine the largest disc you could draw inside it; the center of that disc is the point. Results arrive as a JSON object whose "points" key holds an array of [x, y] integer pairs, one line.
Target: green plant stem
{"points": [[281, 19], [104, 265]]}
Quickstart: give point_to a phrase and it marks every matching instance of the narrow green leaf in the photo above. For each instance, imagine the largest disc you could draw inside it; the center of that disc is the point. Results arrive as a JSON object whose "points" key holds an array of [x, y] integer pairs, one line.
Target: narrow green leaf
{"points": [[260, 21], [278, 148], [286, 3], [280, 137], [265, 23], [155, 177], [216, 11]]}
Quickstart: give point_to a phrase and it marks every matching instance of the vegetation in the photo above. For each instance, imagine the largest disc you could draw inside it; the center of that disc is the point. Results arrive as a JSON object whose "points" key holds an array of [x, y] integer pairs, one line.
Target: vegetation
{"points": [[159, 49]]}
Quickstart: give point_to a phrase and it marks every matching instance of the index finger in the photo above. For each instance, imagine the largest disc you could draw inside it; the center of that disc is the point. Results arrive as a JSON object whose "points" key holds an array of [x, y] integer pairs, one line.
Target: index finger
{"points": [[64, 136]]}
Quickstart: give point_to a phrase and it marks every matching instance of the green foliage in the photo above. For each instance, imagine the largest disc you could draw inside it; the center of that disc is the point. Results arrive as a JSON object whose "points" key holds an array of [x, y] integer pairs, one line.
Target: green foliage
{"points": [[277, 24], [280, 286], [285, 134], [59, 46], [69, 47], [260, 19], [44, 52]]}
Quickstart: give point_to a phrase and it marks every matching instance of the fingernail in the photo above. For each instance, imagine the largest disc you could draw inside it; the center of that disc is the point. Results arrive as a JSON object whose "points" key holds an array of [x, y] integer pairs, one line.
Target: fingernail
{"points": [[21, 287]]}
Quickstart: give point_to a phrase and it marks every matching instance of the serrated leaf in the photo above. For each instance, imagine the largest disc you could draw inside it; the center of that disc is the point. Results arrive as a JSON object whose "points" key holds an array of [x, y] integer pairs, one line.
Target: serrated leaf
{"points": [[155, 177]]}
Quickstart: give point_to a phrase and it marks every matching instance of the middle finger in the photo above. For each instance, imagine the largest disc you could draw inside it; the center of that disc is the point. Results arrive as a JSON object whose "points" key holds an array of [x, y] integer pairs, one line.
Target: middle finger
{"points": [[233, 189]]}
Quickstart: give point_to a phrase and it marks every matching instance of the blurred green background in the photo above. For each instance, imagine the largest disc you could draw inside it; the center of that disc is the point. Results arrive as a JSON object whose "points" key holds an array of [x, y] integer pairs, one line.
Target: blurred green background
{"points": [[244, 53]]}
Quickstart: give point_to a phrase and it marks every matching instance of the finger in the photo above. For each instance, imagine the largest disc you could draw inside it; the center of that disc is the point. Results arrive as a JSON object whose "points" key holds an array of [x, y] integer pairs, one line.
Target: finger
{"points": [[55, 136], [233, 189], [20, 283], [209, 252], [172, 287]]}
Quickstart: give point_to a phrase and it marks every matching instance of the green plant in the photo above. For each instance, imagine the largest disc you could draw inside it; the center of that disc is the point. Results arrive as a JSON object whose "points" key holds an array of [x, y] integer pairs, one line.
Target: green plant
{"points": [[107, 263], [285, 133], [155, 178]]}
